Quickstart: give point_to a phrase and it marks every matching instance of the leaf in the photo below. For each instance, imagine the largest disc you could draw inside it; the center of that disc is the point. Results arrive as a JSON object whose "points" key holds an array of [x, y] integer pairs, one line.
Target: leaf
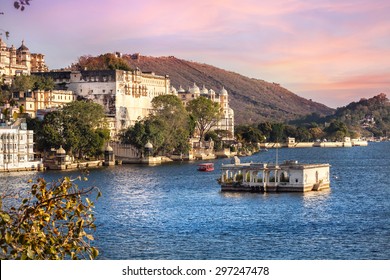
{"points": [[94, 252], [8, 237], [5, 217], [89, 236], [30, 253]]}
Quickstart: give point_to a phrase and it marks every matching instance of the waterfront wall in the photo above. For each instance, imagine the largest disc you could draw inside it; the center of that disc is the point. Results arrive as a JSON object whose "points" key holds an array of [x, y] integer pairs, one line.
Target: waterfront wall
{"points": [[314, 144]]}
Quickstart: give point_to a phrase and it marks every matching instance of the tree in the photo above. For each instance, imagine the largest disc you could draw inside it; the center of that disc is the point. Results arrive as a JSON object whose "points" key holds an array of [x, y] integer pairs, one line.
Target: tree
{"points": [[336, 130], [21, 4], [106, 61], [142, 132], [22, 83], [174, 121], [26, 83], [79, 127], [54, 221], [249, 134], [206, 114]]}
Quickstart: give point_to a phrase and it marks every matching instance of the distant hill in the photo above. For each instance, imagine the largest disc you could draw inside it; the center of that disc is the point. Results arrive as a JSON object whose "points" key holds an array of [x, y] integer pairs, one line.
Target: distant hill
{"points": [[367, 117], [252, 100]]}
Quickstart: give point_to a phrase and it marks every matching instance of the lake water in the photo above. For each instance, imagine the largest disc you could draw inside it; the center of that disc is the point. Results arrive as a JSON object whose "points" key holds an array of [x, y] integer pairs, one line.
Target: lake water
{"points": [[172, 211]]}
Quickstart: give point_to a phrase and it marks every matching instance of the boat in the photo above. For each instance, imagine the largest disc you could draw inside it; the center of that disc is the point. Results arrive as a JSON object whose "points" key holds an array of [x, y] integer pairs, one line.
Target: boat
{"points": [[206, 167]]}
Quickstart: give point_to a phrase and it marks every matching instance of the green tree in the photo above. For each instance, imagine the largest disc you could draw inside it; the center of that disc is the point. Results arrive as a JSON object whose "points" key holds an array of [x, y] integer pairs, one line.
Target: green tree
{"points": [[174, 121], [79, 127], [265, 129], [249, 134], [22, 83], [142, 132], [54, 221], [42, 83], [336, 130], [277, 133], [205, 113]]}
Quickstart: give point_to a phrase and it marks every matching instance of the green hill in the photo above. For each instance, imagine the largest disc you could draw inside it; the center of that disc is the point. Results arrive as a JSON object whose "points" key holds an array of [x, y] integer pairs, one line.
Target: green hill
{"points": [[368, 116]]}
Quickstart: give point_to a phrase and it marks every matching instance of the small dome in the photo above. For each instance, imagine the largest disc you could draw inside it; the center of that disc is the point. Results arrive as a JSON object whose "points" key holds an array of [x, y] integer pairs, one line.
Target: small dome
{"points": [[181, 90], [194, 89], [204, 90], [148, 145], [2, 43], [23, 47], [61, 151], [173, 90], [108, 148], [223, 91], [211, 92]]}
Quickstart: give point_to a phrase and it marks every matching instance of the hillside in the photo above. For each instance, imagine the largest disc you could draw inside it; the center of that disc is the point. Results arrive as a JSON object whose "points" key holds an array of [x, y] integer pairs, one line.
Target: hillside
{"points": [[368, 116], [253, 100]]}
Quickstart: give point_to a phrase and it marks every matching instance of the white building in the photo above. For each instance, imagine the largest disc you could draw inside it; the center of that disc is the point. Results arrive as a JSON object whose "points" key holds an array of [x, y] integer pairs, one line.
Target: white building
{"points": [[34, 101], [19, 61], [16, 148], [221, 97], [289, 176], [125, 95]]}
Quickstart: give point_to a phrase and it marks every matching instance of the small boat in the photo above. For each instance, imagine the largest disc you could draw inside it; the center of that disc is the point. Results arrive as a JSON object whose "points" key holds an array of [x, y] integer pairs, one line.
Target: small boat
{"points": [[206, 167]]}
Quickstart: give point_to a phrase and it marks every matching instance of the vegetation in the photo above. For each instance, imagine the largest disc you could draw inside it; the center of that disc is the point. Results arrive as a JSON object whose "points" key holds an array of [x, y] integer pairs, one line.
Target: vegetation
{"points": [[106, 61], [54, 221], [78, 127], [367, 117], [168, 128], [26, 83], [171, 125], [205, 113], [21, 4]]}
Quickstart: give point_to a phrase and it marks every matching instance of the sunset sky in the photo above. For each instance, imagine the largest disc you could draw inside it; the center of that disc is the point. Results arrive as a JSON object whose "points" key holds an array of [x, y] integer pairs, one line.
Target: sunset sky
{"points": [[330, 51]]}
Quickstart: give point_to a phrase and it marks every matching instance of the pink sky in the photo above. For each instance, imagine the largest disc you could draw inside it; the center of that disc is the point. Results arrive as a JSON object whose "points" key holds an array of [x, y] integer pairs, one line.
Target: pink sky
{"points": [[330, 51]]}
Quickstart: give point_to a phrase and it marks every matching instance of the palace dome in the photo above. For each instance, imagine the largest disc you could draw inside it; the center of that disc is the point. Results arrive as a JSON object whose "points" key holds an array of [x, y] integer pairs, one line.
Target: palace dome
{"points": [[148, 145], [23, 47], [195, 89], [223, 91], [173, 90], [181, 90], [108, 148], [61, 151], [204, 90]]}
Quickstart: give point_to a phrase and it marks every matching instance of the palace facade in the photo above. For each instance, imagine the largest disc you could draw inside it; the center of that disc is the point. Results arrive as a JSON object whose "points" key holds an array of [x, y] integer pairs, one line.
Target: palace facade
{"points": [[17, 147], [34, 102], [19, 61], [221, 97], [125, 95]]}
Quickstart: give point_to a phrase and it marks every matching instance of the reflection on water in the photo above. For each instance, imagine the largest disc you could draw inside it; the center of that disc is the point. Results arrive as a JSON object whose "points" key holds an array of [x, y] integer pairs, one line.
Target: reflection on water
{"points": [[174, 212]]}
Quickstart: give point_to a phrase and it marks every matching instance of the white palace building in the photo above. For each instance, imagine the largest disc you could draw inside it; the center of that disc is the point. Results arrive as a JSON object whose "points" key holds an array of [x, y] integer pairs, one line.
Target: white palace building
{"points": [[17, 148], [127, 95]]}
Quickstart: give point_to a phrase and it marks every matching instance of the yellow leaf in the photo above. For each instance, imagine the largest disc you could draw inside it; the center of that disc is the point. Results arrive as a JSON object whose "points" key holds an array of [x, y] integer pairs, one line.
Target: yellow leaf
{"points": [[89, 236]]}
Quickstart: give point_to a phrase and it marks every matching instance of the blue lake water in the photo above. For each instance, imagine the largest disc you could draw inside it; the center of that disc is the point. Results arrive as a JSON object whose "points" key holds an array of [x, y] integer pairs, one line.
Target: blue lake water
{"points": [[172, 211]]}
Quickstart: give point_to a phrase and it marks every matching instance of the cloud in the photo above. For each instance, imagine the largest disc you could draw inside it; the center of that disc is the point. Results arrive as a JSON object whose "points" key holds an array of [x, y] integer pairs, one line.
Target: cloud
{"points": [[318, 45]]}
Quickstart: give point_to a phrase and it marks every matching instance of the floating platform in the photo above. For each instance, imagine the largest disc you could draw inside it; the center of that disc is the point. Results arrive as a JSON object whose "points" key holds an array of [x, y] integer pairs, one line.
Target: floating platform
{"points": [[289, 176]]}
